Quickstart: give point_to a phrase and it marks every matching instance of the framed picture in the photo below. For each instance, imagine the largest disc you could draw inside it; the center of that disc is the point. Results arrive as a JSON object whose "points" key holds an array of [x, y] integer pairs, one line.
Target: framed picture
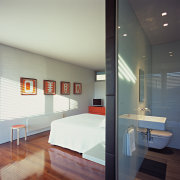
{"points": [[65, 88], [28, 86], [77, 88], [49, 87]]}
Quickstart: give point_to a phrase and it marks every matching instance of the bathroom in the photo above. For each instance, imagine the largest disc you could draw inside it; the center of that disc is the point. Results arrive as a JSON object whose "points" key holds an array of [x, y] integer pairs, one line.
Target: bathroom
{"points": [[148, 86]]}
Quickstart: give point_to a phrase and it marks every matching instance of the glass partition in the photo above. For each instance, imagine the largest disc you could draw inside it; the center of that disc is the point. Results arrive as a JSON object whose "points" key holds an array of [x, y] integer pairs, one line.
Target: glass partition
{"points": [[133, 92]]}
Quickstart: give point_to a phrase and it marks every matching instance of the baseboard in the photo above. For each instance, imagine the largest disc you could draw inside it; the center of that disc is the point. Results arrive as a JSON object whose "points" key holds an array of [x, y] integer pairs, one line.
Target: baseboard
{"points": [[38, 131]]}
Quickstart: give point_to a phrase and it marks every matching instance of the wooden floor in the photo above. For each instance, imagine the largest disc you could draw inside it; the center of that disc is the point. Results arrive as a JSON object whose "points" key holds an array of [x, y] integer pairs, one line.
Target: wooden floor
{"points": [[37, 159], [169, 156]]}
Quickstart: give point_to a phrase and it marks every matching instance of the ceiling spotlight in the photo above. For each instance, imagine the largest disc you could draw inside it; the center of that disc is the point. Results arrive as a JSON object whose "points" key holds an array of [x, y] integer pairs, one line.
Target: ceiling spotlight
{"points": [[119, 27], [124, 35], [164, 13], [170, 52], [165, 25], [170, 55]]}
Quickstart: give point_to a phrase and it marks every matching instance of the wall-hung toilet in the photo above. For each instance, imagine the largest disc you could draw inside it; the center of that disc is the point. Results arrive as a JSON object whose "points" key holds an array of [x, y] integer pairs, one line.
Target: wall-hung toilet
{"points": [[159, 139]]}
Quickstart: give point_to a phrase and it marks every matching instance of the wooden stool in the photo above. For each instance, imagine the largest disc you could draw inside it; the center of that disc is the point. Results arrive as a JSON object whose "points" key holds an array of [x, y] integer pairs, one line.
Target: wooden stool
{"points": [[17, 127]]}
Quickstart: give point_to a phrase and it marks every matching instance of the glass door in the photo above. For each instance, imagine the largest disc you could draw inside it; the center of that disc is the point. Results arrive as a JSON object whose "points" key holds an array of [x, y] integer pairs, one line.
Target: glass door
{"points": [[133, 91]]}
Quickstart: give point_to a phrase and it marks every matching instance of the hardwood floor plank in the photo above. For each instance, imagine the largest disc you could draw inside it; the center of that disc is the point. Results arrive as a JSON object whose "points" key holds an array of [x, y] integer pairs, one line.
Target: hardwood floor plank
{"points": [[37, 159]]}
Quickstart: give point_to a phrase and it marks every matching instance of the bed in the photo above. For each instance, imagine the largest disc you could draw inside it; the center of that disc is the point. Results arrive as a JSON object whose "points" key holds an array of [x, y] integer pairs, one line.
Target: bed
{"points": [[78, 133]]}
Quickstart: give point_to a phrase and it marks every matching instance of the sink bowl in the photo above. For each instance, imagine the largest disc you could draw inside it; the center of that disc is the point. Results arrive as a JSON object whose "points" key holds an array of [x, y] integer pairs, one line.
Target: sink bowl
{"points": [[150, 122], [153, 122]]}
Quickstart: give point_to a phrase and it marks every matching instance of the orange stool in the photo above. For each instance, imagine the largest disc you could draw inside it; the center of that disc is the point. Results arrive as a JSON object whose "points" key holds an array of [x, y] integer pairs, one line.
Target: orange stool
{"points": [[17, 127]]}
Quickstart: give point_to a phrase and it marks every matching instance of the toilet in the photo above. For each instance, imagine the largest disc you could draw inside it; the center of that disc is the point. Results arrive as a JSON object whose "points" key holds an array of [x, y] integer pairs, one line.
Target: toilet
{"points": [[159, 139]]}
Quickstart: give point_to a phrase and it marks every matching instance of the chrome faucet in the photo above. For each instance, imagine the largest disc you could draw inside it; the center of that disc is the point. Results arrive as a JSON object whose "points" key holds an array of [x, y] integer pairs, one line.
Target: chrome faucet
{"points": [[144, 109]]}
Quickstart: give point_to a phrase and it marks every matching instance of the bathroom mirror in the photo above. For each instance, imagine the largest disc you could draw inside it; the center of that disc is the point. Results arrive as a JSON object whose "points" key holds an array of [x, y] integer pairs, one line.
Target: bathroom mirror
{"points": [[141, 85]]}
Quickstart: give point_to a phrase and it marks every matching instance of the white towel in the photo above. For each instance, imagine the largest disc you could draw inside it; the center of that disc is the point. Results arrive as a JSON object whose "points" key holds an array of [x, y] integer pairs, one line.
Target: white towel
{"points": [[131, 147]]}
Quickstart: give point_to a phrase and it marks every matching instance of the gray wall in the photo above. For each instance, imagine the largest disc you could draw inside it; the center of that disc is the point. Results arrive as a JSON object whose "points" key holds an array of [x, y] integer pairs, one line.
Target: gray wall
{"points": [[110, 89], [15, 63], [166, 87]]}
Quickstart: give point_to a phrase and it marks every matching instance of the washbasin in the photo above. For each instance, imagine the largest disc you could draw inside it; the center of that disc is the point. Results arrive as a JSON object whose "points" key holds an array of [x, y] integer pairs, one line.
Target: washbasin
{"points": [[150, 122]]}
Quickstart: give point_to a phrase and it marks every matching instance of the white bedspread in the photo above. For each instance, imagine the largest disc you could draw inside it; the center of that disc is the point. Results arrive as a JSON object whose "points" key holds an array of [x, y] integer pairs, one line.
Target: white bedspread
{"points": [[79, 133]]}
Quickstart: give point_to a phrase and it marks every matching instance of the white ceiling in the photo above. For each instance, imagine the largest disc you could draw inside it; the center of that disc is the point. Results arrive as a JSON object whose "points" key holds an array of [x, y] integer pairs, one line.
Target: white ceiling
{"points": [[149, 12], [74, 30], [68, 30]]}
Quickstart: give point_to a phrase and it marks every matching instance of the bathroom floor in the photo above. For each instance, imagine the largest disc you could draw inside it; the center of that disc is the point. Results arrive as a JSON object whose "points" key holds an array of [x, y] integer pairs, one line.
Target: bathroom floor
{"points": [[168, 156]]}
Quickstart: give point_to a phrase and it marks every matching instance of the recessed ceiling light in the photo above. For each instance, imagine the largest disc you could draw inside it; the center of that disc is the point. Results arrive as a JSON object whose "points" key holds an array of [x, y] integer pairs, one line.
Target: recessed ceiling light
{"points": [[165, 24], [164, 13], [170, 52], [119, 27], [124, 35], [170, 55]]}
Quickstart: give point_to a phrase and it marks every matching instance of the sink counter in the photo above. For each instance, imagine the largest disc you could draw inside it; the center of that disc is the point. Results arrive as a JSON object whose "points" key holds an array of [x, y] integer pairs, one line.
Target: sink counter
{"points": [[150, 122]]}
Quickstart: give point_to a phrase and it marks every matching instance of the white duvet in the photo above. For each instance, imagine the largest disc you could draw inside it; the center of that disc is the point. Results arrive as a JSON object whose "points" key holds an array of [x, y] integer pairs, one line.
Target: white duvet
{"points": [[78, 133]]}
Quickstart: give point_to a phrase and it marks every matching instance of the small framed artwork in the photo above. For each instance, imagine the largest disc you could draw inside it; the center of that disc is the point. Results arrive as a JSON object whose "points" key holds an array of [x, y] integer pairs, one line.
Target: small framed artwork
{"points": [[65, 88], [28, 86], [77, 88], [49, 87]]}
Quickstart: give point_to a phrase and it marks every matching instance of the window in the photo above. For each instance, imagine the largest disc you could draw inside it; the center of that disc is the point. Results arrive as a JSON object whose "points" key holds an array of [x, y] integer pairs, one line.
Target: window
{"points": [[100, 76]]}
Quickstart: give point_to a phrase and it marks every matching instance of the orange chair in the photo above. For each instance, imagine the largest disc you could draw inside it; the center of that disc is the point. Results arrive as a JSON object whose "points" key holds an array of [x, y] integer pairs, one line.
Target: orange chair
{"points": [[18, 127]]}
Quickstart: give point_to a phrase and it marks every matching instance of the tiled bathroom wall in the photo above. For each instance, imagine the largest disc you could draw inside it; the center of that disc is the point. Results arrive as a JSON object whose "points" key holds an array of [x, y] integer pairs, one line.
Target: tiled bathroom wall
{"points": [[166, 87]]}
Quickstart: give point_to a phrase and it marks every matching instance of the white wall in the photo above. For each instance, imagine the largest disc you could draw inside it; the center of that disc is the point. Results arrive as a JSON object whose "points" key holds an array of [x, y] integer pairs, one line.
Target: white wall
{"points": [[100, 91], [15, 108], [166, 87]]}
